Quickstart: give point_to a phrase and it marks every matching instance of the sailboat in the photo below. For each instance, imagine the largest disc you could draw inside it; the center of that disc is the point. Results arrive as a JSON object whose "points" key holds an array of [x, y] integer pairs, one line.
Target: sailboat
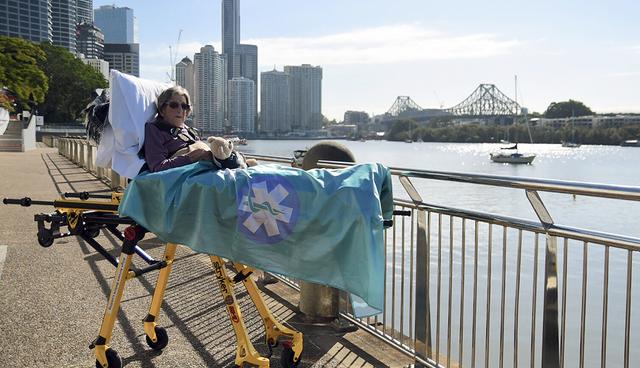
{"points": [[572, 143], [510, 155]]}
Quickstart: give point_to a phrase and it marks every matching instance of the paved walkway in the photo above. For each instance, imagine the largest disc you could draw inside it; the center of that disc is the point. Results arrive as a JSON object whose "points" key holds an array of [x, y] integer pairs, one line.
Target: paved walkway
{"points": [[52, 299]]}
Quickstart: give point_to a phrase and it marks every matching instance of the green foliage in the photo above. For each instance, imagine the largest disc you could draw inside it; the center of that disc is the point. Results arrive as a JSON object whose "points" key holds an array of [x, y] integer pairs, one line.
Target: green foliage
{"points": [[402, 129], [70, 87], [567, 109], [20, 71], [487, 133]]}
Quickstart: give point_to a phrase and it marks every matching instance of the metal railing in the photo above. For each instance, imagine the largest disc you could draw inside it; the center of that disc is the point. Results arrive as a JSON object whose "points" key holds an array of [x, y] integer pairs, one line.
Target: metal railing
{"points": [[475, 289]]}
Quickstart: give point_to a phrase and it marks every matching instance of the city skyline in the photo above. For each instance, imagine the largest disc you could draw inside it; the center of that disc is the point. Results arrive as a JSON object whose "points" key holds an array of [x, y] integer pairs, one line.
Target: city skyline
{"points": [[437, 54]]}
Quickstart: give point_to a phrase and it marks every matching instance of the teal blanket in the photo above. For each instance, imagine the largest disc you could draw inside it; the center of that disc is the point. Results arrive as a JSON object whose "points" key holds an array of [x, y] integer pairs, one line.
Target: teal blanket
{"points": [[323, 226]]}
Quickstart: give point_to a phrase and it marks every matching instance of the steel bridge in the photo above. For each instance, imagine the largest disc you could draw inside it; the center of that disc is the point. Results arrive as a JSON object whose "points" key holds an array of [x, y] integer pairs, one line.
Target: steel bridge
{"points": [[485, 101]]}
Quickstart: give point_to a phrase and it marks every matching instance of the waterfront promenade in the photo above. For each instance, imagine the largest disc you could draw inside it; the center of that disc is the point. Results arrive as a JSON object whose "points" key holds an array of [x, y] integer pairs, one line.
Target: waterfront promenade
{"points": [[52, 299]]}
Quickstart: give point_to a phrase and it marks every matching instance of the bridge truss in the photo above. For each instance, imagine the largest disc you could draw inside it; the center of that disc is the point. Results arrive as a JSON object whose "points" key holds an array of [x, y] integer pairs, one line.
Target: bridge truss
{"points": [[486, 100], [404, 105]]}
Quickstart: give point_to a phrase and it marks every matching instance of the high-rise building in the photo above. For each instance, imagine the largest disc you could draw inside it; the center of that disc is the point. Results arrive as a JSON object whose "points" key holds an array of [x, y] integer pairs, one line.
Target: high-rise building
{"points": [[211, 81], [63, 20], [242, 108], [248, 55], [305, 96], [32, 22], [52, 21], [274, 102], [231, 35], [84, 11], [124, 57], [117, 24], [90, 41], [185, 76], [242, 60]]}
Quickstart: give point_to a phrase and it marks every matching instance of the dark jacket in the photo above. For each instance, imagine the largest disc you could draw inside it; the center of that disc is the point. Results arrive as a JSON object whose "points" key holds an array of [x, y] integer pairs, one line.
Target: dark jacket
{"points": [[162, 141]]}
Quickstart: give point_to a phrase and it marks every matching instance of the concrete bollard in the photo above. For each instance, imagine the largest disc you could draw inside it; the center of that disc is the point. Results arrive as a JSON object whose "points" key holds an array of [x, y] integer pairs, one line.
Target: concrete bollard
{"points": [[320, 303]]}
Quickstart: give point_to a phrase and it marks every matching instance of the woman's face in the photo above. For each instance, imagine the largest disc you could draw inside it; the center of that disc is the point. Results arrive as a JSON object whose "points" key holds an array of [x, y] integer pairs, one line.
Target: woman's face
{"points": [[175, 110]]}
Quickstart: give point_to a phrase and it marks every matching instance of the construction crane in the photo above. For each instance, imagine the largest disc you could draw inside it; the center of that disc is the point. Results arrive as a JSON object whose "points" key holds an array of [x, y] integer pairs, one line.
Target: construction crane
{"points": [[173, 58]]}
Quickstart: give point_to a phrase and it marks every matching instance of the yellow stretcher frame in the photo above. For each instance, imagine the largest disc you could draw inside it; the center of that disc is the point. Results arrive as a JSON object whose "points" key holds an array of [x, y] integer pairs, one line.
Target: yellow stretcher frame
{"points": [[157, 337], [85, 218]]}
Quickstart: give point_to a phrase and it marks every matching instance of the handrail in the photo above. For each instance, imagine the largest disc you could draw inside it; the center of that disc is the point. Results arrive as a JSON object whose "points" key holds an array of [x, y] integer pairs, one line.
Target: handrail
{"points": [[423, 252], [546, 185]]}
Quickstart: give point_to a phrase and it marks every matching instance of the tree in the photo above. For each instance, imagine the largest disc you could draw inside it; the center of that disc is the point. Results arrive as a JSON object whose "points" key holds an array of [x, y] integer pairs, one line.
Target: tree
{"points": [[20, 71], [71, 85], [401, 130], [567, 109]]}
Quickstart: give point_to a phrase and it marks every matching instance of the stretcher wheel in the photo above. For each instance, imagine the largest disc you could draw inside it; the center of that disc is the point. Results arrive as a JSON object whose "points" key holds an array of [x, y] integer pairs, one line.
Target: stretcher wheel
{"points": [[113, 359], [161, 336], [93, 233], [286, 358], [45, 238]]}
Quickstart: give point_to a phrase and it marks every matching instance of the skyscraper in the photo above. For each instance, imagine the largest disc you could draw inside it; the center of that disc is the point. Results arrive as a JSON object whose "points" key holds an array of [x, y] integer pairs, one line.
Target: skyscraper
{"points": [[242, 108], [117, 24], [63, 20], [211, 81], [231, 35], [274, 102], [124, 57], [185, 76], [242, 60], [305, 96], [33, 22], [90, 41], [84, 11], [52, 21], [248, 55]]}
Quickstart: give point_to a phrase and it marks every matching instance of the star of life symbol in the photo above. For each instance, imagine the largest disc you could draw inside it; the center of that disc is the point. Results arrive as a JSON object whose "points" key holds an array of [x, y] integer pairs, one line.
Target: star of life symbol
{"points": [[269, 213]]}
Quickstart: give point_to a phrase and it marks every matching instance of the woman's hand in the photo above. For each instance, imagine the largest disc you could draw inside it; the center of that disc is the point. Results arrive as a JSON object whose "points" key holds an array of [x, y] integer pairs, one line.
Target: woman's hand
{"points": [[199, 154]]}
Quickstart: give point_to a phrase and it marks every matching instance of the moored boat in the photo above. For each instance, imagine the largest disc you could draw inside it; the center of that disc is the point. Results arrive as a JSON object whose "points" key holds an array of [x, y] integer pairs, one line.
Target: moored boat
{"points": [[512, 158], [570, 144], [510, 155], [631, 143]]}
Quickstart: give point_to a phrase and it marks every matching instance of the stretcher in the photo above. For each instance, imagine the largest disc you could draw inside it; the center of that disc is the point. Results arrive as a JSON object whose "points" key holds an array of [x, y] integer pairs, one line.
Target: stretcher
{"points": [[84, 215]]}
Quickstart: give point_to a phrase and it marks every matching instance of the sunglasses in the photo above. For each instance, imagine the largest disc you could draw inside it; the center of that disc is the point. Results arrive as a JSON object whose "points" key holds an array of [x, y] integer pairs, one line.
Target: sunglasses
{"points": [[175, 105]]}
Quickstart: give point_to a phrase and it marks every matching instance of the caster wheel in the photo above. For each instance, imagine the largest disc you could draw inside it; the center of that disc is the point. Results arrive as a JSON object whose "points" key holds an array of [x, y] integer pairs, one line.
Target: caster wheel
{"points": [[113, 359], [162, 339], [93, 233], [45, 238], [286, 358]]}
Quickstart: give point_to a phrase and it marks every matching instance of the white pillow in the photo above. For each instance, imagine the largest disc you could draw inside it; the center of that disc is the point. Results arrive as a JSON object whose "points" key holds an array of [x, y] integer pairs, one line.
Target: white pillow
{"points": [[133, 103]]}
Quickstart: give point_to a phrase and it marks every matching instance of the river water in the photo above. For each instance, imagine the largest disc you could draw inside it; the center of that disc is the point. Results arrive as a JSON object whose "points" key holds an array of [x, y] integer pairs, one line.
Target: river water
{"points": [[594, 164]]}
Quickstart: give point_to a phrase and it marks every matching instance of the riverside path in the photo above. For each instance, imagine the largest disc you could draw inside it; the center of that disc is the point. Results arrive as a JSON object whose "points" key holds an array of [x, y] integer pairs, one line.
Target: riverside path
{"points": [[52, 299]]}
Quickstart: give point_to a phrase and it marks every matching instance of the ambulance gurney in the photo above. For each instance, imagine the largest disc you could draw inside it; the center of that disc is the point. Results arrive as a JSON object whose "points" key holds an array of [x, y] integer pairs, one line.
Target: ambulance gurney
{"points": [[85, 217], [322, 226]]}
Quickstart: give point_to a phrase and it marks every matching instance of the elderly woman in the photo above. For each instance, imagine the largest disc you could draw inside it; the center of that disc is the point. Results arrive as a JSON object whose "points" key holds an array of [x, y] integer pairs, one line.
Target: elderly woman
{"points": [[170, 143]]}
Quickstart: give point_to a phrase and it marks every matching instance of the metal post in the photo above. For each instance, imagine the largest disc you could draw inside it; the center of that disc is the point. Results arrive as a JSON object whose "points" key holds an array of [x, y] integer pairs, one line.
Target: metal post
{"points": [[550, 342], [321, 303], [423, 312]]}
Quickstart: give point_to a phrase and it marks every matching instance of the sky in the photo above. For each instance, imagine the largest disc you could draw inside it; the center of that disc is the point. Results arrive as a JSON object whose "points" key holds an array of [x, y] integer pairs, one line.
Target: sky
{"points": [[436, 52]]}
